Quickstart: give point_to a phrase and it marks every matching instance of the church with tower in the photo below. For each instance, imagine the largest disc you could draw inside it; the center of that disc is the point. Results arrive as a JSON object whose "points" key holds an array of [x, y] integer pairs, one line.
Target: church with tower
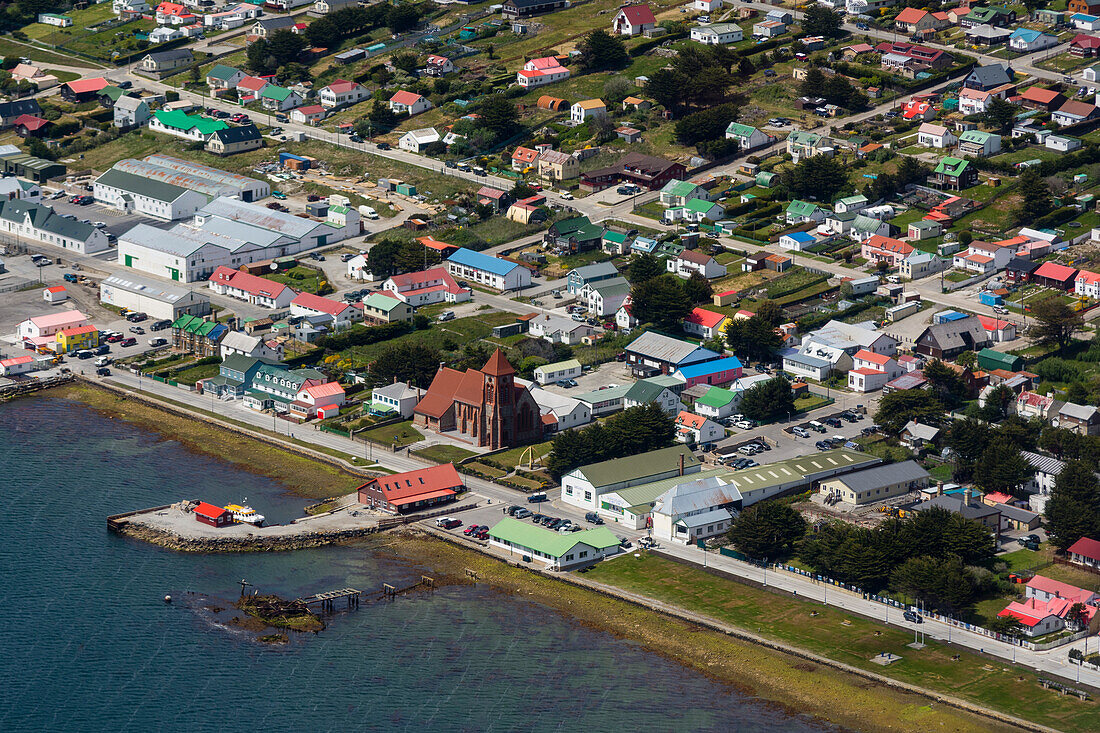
{"points": [[484, 406]]}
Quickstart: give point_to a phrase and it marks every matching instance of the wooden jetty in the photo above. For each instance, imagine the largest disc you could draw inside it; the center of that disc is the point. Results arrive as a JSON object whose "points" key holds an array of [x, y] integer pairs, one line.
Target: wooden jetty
{"points": [[328, 599], [115, 522]]}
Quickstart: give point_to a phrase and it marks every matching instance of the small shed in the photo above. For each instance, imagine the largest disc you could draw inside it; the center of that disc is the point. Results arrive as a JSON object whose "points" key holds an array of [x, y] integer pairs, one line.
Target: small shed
{"points": [[55, 294], [552, 103], [215, 516], [766, 179], [318, 209], [988, 359], [407, 189]]}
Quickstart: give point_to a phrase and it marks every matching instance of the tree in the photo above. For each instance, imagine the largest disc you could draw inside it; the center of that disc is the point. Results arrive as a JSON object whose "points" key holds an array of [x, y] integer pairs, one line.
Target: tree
{"points": [[998, 403], [753, 339], [1034, 195], [697, 289], [600, 50], [660, 301], [820, 21], [381, 116], [636, 430], [392, 256], [819, 177], [665, 86], [1001, 114], [521, 190], [898, 408], [412, 363], [814, 83], [768, 401], [1073, 510], [1008, 625], [966, 359], [644, 267], [405, 61], [616, 89], [769, 529], [943, 585], [770, 312], [946, 383], [257, 55], [498, 114], [285, 47], [1001, 467], [401, 18], [1055, 321], [709, 124]]}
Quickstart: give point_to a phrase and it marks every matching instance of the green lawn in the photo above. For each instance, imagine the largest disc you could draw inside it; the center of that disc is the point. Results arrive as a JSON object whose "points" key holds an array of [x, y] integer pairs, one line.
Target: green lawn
{"points": [[449, 336], [401, 434], [302, 279], [444, 453], [1021, 560], [42, 56], [810, 402], [509, 459], [849, 639], [195, 373]]}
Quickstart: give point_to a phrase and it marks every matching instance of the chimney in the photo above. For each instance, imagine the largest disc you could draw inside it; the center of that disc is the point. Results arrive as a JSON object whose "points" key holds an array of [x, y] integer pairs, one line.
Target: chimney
{"points": [[681, 473], [966, 496], [939, 488]]}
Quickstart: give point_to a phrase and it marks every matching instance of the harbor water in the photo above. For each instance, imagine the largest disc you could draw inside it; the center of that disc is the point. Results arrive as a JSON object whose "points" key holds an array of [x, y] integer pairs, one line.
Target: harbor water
{"points": [[90, 645]]}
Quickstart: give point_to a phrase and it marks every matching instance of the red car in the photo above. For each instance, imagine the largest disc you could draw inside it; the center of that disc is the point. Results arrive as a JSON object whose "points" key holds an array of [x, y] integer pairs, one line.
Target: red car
{"points": [[128, 342], [482, 535], [114, 339], [452, 524], [470, 530]]}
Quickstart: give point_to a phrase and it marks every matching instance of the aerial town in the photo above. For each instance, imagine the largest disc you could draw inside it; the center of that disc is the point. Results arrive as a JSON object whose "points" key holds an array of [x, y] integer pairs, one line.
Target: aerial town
{"points": [[803, 297]]}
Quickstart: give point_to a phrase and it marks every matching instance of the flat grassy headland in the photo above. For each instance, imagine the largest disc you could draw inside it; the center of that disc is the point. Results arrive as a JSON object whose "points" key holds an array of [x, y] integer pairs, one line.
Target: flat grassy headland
{"points": [[802, 686], [302, 475], [850, 639]]}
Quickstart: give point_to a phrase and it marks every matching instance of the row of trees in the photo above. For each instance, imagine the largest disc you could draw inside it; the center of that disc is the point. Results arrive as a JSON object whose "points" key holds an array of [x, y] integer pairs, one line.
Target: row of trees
{"points": [[931, 555], [633, 431], [700, 77]]}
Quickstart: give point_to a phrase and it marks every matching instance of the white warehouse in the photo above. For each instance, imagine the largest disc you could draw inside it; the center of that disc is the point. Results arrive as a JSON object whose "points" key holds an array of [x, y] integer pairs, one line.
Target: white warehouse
{"points": [[160, 301]]}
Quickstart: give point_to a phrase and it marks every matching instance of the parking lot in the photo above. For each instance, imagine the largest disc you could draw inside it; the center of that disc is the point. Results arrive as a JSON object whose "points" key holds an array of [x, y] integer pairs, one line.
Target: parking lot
{"points": [[489, 514]]}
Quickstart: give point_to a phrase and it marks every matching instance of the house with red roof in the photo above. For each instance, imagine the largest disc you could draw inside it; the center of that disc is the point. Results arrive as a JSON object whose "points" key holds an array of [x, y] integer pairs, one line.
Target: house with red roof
{"points": [[695, 429], [523, 158], [83, 90], [1085, 551], [30, 126], [40, 330], [409, 103], [401, 493], [1038, 617], [318, 400], [914, 21], [18, 365], [1044, 99], [251, 288], [310, 305], [442, 248], [215, 516], [916, 109], [251, 87], [426, 287], [633, 20], [870, 371], [1053, 275], [704, 323], [1087, 283], [1044, 589], [55, 294], [342, 93], [998, 329], [878, 248], [310, 114], [494, 197], [1084, 46], [541, 71], [439, 65]]}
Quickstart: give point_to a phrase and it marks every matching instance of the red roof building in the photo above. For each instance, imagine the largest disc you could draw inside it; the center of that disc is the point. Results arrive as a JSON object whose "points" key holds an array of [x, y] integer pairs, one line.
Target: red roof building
{"points": [[703, 322], [305, 304], [406, 98], [633, 20], [1085, 551], [1039, 98], [29, 125], [82, 89], [215, 516], [1053, 275], [254, 289], [434, 285], [411, 491]]}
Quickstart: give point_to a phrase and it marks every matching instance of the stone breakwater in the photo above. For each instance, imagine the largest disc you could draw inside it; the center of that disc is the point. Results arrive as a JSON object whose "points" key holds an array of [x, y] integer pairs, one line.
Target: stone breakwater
{"points": [[250, 543]]}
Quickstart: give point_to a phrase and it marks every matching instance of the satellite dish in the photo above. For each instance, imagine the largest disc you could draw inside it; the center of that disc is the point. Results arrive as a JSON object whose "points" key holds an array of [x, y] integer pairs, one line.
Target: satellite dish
{"points": [[273, 266]]}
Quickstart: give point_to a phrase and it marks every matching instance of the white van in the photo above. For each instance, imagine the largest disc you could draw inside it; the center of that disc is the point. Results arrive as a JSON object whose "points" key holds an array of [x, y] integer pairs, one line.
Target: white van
{"points": [[368, 212]]}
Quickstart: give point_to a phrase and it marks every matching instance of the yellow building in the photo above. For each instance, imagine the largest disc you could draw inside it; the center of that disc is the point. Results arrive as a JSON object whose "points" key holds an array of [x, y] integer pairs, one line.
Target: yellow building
{"points": [[75, 339]]}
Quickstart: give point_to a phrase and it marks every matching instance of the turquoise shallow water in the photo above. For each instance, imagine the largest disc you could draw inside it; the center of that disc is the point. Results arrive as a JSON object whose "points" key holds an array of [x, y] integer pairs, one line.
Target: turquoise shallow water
{"points": [[88, 644]]}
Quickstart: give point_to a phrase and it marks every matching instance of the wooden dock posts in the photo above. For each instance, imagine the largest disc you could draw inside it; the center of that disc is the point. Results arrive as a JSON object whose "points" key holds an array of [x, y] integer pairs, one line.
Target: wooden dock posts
{"points": [[391, 592], [328, 599]]}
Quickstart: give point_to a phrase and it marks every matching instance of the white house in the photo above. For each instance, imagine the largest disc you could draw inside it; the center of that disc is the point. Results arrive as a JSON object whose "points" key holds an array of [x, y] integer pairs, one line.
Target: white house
{"points": [[851, 204], [798, 241], [931, 135], [747, 137], [690, 261], [556, 372], [397, 397], [430, 286], [1026, 40], [343, 314], [487, 270], [567, 412], [47, 326], [239, 342], [436, 65], [342, 93], [633, 20], [695, 510], [541, 71], [706, 6], [717, 34], [587, 109], [695, 429], [1062, 144], [28, 220], [718, 403], [558, 330], [310, 114], [415, 140], [871, 371], [251, 288], [409, 102]]}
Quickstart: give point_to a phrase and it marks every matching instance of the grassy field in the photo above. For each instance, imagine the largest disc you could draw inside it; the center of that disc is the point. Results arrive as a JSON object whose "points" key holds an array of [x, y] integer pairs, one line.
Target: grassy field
{"points": [[449, 336], [300, 278], [399, 434], [509, 459], [42, 56], [849, 639], [444, 453], [305, 476]]}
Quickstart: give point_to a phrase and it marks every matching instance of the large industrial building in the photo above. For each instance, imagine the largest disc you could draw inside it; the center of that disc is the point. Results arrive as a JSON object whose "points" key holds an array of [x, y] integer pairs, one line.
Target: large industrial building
{"points": [[160, 301], [170, 188]]}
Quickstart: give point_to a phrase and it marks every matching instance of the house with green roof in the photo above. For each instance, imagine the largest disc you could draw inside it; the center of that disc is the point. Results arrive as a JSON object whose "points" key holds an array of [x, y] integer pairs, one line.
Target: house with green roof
{"points": [[808, 144], [583, 486], [695, 211], [108, 95], [181, 124], [851, 204], [748, 137], [955, 173], [379, 308], [799, 212], [558, 551], [678, 193], [645, 391], [979, 144], [615, 243], [717, 403], [197, 335], [279, 99], [576, 235], [223, 77]]}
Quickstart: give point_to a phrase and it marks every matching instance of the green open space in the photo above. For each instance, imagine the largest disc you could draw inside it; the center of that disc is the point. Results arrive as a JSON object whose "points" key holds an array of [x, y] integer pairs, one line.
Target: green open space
{"points": [[444, 453], [509, 460], [40, 55], [400, 434], [302, 279], [849, 639], [448, 336]]}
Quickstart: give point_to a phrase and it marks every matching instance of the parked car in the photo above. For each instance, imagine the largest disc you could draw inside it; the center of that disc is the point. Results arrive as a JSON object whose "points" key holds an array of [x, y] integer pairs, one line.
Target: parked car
{"points": [[823, 445], [800, 432], [383, 146], [103, 372], [913, 617], [744, 425], [131, 341], [446, 316], [138, 330], [593, 518], [160, 325], [832, 422], [522, 513], [158, 341], [137, 317], [452, 524], [84, 354], [114, 338]]}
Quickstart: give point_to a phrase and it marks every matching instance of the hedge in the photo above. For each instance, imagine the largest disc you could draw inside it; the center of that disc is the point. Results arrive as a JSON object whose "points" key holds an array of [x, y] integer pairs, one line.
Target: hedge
{"points": [[364, 336], [652, 43]]}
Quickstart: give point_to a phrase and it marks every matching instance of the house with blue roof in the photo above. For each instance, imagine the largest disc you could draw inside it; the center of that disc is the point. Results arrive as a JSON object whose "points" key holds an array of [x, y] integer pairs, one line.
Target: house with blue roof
{"points": [[492, 272], [643, 245], [797, 241], [719, 371], [1085, 22], [1026, 40]]}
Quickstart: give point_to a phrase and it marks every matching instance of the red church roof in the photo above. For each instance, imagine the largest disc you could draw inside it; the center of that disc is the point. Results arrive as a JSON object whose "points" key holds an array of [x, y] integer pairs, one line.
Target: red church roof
{"points": [[497, 365]]}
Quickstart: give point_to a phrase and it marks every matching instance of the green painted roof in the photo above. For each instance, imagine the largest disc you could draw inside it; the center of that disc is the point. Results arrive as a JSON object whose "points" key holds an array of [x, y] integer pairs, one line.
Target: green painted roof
{"points": [[560, 365], [381, 302], [568, 226], [550, 543], [951, 166], [222, 72], [852, 200], [112, 92], [716, 397], [976, 136], [131, 183], [646, 494], [679, 188], [736, 128], [644, 391], [796, 469], [804, 208], [617, 237], [184, 121], [639, 466], [279, 94], [700, 205]]}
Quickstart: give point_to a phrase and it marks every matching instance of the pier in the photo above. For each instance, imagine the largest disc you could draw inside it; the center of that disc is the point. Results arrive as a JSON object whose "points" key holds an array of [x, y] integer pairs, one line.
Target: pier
{"points": [[328, 599]]}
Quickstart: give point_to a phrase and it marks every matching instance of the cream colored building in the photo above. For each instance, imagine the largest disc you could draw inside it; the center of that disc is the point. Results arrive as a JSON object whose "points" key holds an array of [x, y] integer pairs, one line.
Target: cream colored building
{"points": [[876, 484]]}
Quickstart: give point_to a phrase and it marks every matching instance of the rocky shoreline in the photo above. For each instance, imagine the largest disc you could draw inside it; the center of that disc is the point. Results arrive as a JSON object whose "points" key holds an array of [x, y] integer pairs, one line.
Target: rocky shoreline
{"points": [[253, 543]]}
